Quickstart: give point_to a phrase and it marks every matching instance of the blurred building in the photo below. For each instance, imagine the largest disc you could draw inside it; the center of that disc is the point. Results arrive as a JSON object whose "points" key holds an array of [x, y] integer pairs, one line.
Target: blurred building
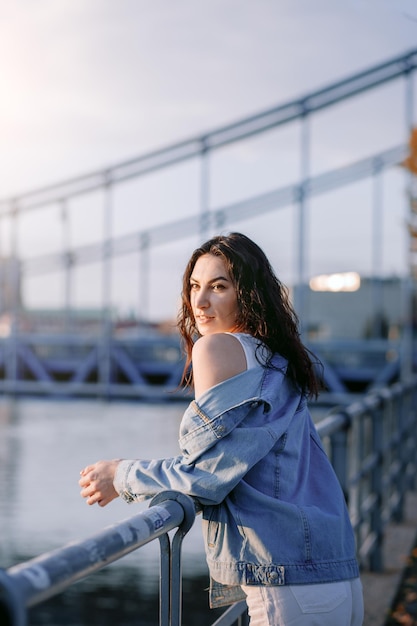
{"points": [[334, 309], [376, 308]]}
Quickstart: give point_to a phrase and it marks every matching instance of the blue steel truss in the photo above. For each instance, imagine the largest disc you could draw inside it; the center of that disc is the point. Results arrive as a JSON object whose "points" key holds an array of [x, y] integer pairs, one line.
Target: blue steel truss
{"points": [[401, 66], [239, 211], [23, 364]]}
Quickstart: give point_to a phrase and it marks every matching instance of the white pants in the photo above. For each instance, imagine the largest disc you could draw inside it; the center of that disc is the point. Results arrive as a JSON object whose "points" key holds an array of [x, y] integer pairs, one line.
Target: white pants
{"points": [[327, 604]]}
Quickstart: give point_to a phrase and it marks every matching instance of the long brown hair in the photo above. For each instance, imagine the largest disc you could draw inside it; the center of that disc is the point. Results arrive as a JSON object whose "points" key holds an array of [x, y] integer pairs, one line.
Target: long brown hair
{"points": [[265, 311]]}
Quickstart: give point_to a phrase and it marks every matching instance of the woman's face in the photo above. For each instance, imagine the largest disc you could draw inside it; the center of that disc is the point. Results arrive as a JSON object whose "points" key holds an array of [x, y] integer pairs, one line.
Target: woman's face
{"points": [[213, 296]]}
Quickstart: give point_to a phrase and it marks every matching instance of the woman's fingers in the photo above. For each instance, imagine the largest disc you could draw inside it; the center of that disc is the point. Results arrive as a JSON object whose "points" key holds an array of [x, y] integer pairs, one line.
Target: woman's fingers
{"points": [[97, 482], [87, 469], [92, 494]]}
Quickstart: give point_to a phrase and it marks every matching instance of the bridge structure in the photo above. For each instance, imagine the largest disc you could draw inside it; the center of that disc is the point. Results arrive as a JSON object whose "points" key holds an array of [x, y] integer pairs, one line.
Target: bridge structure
{"points": [[96, 361]]}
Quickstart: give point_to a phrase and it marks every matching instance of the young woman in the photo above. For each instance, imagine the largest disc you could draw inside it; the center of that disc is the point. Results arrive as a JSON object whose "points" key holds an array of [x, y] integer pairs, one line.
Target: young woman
{"points": [[276, 528]]}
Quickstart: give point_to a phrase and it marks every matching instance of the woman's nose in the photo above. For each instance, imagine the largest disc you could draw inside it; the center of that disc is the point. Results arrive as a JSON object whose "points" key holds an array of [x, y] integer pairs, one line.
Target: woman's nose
{"points": [[201, 299]]}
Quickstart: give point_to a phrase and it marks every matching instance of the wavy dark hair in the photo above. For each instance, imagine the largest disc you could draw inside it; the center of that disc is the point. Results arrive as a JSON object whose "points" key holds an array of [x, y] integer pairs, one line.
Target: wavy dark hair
{"points": [[265, 311]]}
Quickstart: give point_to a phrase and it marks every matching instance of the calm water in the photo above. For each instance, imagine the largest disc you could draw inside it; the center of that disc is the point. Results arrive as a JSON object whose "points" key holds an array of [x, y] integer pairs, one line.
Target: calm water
{"points": [[43, 446]]}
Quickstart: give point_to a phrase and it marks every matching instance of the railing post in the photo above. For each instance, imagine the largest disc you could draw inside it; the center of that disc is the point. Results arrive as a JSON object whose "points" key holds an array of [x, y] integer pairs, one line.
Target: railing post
{"points": [[408, 432], [413, 435], [12, 610], [171, 593], [376, 558], [339, 455], [398, 459], [165, 581]]}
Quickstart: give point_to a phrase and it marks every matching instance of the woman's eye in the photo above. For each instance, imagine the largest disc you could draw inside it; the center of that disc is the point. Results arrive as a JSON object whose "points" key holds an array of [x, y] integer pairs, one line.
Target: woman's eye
{"points": [[193, 286], [218, 287]]}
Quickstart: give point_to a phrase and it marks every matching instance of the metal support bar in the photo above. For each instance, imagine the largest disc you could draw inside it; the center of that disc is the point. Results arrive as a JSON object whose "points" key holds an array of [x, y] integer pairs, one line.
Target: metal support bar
{"points": [[107, 256], [236, 612], [409, 281], [14, 278], [164, 580], [68, 263], [171, 557], [376, 560], [143, 240], [302, 224], [377, 253], [204, 191], [339, 457], [395, 426]]}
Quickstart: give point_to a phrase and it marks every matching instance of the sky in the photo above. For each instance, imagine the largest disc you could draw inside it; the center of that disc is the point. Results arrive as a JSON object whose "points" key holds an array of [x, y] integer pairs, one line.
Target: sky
{"points": [[85, 84]]}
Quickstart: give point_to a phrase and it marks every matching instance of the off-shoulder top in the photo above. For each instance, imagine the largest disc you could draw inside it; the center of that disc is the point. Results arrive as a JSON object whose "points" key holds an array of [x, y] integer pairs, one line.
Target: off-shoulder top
{"points": [[256, 352]]}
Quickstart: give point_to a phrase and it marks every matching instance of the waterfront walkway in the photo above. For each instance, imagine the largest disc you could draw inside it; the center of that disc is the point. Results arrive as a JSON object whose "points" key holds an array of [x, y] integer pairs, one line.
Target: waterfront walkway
{"points": [[380, 589]]}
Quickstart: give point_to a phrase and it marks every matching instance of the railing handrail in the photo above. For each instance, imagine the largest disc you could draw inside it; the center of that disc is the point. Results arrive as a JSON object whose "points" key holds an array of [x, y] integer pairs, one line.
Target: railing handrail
{"points": [[29, 583], [342, 419]]}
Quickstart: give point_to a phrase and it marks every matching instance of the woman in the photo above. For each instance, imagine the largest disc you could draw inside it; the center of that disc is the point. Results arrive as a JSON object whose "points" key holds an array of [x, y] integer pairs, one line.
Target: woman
{"points": [[275, 524]]}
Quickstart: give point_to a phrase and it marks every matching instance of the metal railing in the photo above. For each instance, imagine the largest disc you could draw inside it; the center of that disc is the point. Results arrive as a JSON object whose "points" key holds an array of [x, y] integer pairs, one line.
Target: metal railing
{"points": [[371, 444], [34, 581]]}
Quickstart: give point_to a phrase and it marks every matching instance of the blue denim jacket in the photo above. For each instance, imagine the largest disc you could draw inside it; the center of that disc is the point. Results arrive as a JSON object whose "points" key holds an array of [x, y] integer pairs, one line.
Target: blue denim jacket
{"points": [[273, 509]]}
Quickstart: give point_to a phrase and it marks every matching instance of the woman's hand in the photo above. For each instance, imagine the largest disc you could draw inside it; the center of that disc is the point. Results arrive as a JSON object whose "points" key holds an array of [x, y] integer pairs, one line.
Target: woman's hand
{"points": [[97, 482]]}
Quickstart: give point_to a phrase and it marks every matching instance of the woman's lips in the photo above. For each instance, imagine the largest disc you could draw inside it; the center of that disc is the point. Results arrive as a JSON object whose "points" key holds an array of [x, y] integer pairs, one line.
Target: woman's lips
{"points": [[203, 319]]}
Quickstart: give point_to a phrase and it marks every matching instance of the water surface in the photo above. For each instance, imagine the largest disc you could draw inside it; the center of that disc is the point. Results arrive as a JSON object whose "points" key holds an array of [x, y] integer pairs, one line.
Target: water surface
{"points": [[43, 446]]}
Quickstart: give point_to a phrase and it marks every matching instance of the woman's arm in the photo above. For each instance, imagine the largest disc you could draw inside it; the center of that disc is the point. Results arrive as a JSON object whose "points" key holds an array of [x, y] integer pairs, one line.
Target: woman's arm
{"points": [[216, 358], [224, 450]]}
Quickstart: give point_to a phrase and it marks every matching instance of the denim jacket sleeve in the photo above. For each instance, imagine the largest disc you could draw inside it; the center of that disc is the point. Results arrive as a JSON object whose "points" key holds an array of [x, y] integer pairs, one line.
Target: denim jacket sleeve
{"points": [[222, 435]]}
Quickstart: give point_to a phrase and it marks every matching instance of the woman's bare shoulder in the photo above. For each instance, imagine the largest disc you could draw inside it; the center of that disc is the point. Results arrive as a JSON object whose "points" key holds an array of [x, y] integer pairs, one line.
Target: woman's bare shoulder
{"points": [[216, 358]]}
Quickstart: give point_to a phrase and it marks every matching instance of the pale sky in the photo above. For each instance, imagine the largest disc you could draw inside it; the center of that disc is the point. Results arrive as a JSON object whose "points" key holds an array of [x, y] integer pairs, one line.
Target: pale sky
{"points": [[87, 83]]}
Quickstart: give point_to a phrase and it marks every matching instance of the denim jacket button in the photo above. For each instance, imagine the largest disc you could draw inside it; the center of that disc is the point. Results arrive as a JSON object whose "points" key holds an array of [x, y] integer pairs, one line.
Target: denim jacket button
{"points": [[273, 576]]}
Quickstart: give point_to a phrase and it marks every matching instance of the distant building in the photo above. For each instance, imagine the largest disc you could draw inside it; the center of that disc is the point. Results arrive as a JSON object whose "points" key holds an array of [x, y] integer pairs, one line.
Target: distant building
{"points": [[376, 309]]}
